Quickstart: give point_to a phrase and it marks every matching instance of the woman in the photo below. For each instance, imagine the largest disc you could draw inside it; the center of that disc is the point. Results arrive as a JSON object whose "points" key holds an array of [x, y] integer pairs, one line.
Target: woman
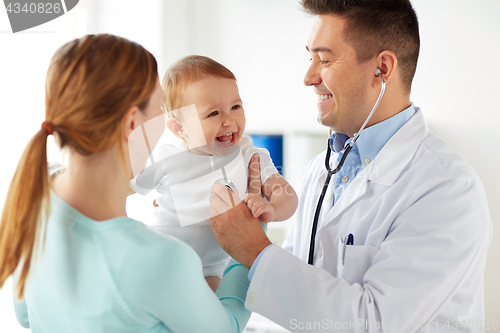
{"points": [[92, 269]]}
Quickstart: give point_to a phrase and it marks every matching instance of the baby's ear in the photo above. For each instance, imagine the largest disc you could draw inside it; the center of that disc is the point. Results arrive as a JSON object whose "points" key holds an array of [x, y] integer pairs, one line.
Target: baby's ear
{"points": [[174, 125]]}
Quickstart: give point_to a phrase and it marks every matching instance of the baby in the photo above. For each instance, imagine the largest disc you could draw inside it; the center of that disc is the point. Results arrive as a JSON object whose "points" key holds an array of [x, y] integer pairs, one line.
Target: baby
{"points": [[205, 110]]}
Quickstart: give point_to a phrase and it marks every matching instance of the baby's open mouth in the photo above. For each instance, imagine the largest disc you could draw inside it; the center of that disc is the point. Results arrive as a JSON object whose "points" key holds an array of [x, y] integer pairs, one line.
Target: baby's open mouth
{"points": [[226, 138]]}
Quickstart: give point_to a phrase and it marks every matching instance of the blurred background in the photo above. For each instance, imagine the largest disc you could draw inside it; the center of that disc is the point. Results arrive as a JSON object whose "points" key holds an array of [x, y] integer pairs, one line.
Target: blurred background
{"points": [[262, 42]]}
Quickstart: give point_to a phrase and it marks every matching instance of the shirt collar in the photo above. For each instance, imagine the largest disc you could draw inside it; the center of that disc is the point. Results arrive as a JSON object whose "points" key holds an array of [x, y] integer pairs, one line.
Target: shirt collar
{"points": [[339, 141], [374, 138]]}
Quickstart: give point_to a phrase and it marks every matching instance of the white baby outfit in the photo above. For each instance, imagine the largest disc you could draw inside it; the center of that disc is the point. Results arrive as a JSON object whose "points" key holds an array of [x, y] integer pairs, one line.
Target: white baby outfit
{"points": [[183, 180]]}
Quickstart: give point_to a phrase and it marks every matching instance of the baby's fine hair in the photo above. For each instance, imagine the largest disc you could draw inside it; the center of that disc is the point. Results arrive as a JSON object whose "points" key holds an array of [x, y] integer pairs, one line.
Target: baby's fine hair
{"points": [[188, 70]]}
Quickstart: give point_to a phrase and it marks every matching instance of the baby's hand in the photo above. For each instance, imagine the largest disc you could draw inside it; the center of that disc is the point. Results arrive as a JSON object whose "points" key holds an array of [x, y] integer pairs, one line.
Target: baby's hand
{"points": [[260, 207]]}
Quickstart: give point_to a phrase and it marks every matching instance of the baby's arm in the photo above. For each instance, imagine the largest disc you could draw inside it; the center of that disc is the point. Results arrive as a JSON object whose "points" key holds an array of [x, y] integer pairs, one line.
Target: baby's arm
{"points": [[282, 200]]}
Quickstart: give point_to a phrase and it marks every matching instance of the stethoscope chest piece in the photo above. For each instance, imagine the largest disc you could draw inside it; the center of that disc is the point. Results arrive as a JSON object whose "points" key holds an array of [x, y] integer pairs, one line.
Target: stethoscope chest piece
{"points": [[227, 183]]}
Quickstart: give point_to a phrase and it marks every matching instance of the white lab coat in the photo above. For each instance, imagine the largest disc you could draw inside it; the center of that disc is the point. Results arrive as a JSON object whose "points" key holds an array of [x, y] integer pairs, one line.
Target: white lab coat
{"points": [[421, 227]]}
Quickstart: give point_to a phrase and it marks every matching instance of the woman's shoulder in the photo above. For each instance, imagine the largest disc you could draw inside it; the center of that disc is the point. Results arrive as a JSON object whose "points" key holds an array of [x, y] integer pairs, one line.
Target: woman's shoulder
{"points": [[151, 243], [152, 258], [145, 268]]}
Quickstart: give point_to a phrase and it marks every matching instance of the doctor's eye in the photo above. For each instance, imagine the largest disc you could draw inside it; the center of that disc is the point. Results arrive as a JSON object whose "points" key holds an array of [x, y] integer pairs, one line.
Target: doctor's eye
{"points": [[213, 114], [324, 62]]}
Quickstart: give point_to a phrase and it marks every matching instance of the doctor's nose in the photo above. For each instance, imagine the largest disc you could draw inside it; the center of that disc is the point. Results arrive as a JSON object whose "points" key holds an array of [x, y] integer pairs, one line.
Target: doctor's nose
{"points": [[312, 76]]}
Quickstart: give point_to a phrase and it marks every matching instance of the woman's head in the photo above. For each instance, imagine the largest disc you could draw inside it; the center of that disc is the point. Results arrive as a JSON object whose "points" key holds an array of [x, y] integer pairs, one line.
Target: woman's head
{"points": [[91, 83], [95, 85]]}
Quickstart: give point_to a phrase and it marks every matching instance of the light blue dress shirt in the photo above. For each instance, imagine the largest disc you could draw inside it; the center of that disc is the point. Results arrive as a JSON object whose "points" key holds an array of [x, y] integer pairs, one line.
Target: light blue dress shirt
{"points": [[364, 150]]}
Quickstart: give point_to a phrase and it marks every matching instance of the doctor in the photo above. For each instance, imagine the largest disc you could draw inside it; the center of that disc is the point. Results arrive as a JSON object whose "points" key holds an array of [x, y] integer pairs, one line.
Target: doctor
{"points": [[404, 228]]}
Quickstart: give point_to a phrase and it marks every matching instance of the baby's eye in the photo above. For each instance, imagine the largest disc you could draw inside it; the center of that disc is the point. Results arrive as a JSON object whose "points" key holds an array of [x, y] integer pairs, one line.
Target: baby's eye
{"points": [[213, 114], [235, 107]]}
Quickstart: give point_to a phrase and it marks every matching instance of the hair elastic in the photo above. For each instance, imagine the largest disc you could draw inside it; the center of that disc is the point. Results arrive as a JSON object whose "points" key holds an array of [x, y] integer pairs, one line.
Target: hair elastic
{"points": [[48, 127]]}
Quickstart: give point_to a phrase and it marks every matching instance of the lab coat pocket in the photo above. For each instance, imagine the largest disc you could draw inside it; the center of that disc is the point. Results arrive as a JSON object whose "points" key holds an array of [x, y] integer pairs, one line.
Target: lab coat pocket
{"points": [[357, 259]]}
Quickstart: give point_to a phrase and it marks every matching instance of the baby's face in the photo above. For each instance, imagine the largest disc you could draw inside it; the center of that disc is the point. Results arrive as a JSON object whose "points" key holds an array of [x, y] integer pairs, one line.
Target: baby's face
{"points": [[220, 111]]}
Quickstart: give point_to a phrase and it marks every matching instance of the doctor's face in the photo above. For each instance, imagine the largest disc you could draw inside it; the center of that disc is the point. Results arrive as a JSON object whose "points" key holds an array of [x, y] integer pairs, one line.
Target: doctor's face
{"points": [[339, 81]]}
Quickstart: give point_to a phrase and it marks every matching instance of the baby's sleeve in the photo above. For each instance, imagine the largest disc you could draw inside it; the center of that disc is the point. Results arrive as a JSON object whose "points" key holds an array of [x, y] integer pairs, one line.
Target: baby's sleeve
{"points": [[156, 167], [267, 167], [144, 189]]}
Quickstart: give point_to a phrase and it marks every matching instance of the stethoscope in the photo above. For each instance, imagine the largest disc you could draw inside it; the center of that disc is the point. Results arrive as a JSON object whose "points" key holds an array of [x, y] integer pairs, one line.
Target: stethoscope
{"points": [[331, 172]]}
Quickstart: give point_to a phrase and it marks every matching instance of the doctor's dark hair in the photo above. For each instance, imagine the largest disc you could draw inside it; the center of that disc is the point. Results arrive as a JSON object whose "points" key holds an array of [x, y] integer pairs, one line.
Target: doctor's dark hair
{"points": [[91, 84], [189, 70], [373, 26]]}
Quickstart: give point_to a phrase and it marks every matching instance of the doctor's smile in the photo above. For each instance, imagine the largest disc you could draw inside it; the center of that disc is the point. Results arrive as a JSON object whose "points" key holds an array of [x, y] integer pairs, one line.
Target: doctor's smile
{"points": [[189, 196], [324, 97]]}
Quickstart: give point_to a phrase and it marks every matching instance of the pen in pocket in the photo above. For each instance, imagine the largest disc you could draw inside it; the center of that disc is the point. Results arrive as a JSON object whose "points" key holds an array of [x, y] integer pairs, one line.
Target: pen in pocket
{"points": [[349, 240]]}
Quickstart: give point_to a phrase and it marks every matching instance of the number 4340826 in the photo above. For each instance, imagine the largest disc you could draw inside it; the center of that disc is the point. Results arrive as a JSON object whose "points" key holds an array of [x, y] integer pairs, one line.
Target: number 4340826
{"points": [[41, 8], [471, 324]]}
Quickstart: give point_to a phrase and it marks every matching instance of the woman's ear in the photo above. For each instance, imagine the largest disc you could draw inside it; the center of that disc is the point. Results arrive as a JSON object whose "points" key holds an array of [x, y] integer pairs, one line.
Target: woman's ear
{"points": [[174, 125], [130, 121]]}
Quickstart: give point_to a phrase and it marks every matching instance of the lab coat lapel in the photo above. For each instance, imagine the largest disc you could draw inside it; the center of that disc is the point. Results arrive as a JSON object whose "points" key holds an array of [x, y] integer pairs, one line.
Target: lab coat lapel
{"points": [[351, 194], [399, 151], [354, 191], [384, 170]]}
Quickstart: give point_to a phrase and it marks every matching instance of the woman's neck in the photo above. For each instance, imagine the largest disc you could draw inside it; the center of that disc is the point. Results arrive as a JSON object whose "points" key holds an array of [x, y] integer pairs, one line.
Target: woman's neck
{"points": [[95, 185]]}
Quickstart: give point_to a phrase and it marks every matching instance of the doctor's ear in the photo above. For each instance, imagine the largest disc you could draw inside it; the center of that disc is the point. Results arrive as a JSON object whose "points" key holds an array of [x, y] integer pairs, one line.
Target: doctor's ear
{"points": [[175, 126], [387, 65]]}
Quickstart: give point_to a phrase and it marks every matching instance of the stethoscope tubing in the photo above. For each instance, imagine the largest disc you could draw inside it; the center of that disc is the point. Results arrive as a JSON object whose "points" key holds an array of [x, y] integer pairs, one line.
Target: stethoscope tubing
{"points": [[322, 196], [337, 169]]}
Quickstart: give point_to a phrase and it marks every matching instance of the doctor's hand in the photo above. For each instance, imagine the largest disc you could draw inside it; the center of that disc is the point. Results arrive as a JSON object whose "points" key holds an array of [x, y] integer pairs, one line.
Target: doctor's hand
{"points": [[237, 231]]}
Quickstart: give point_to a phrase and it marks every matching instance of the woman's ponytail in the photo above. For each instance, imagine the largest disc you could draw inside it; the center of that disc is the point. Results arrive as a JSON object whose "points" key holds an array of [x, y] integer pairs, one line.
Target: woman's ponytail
{"points": [[91, 84], [26, 206]]}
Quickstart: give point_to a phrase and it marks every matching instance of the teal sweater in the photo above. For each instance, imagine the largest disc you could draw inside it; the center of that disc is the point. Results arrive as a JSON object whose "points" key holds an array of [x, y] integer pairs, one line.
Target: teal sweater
{"points": [[120, 276]]}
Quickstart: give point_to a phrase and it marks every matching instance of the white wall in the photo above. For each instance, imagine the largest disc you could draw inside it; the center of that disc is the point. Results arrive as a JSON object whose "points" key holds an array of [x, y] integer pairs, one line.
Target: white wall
{"points": [[262, 42]]}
